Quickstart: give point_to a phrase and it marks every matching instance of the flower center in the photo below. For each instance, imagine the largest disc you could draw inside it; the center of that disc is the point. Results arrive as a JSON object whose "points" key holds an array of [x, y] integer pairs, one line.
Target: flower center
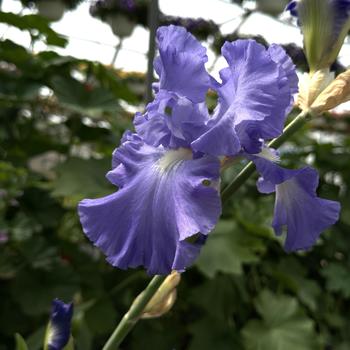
{"points": [[172, 158]]}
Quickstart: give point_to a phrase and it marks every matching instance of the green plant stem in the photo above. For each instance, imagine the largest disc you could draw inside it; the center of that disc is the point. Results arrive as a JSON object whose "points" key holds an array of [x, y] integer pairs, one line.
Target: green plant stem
{"points": [[132, 316], [249, 169]]}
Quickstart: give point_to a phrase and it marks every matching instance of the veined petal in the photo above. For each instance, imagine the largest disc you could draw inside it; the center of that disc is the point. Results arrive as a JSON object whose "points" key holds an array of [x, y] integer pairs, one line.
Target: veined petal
{"points": [[297, 206], [162, 200], [59, 329], [171, 121], [180, 65], [254, 98], [219, 138], [287, 68]]}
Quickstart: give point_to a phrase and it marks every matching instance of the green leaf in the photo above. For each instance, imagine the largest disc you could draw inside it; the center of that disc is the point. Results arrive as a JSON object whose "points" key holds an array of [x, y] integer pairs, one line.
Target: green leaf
{"points": [[227, 249], [338, 278], [291, 274], [208, 334], [34, 289], [217, 297], [101, 317], [112, 81], [34, 22], [20, 342], [284, 326], [35, 340], [70, 344], [81, 178], [83, 99]]}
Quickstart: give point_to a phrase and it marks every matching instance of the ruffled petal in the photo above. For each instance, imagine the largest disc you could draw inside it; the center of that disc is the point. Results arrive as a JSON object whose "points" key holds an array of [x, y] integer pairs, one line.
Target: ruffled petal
{"points": [[279, 55], [162, 200], [219, 138], [171, 121], [180, 65], [254, 97], [297, 206]]}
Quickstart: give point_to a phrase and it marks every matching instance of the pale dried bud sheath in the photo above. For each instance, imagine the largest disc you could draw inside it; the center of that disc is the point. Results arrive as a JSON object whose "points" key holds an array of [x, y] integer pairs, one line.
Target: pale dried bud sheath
{"points": [[334, 94], [311, 85], [161, 308], [165, 297]]}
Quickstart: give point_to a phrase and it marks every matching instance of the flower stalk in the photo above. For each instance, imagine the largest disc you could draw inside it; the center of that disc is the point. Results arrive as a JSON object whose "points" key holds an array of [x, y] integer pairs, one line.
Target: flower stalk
{"points": [[133, 315]]}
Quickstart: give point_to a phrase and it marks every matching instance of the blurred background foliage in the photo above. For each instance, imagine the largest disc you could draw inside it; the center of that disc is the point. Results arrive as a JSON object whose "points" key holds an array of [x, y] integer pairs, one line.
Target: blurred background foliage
{"points": [[60, 120]]}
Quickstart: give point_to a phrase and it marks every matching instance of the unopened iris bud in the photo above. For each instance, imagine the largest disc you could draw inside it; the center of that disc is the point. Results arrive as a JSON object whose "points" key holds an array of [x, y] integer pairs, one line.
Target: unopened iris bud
{"points": [[325, 24], [336, 93], [164, 299], [58, 330]]}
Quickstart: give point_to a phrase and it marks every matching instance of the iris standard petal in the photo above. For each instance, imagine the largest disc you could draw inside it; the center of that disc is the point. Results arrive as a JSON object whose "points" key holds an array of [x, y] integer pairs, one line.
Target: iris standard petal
{"points": [[279, 55], [254, 97], [297, 206], [219, 137], [60, 325], [180, 64], [171, 121], [162, 201]]}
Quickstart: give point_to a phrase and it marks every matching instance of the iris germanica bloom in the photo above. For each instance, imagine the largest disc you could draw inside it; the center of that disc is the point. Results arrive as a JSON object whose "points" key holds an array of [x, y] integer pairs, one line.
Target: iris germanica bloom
{"points": [[168, 172], [167, 193], [58, 332], [325, 24]]}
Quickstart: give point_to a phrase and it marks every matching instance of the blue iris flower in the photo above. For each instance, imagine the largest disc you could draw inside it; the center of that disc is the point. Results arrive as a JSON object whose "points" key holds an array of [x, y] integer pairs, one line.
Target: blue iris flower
{"points": [[168, 172]]}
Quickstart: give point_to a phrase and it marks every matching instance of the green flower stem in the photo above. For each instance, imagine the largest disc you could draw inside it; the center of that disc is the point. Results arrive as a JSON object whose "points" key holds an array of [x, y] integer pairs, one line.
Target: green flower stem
{"points": [[132, 316], [249, 169]]}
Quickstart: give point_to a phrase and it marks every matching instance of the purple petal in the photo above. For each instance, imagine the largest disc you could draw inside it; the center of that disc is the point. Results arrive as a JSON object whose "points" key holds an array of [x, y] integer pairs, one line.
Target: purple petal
{"points": [[60, 325], [305, 215], [171, 122], [220, 138], [292, 7], [265, 186], [297, 206], [279, 55], [162, 200], [254, 97], [180, 65]]}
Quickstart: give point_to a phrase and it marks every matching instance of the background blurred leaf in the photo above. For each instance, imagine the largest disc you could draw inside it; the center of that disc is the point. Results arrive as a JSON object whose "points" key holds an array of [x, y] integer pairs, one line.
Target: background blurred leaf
{"points": [[338, 278], [283, 325], [34, 22], [20, 342], [220, 337], [82, 178], [81, 98], [227, 249]]}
